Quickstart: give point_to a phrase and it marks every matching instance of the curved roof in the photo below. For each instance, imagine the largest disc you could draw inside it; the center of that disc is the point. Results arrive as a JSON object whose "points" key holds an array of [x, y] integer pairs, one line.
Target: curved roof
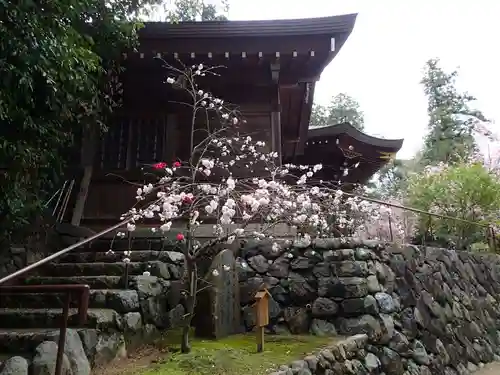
{"points": [[347, 129], [342, 146], [287, 27]]}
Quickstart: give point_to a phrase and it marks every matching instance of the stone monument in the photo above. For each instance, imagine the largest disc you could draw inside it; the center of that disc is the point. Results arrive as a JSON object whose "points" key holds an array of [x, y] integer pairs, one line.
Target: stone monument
{"points": [[217, 312]]}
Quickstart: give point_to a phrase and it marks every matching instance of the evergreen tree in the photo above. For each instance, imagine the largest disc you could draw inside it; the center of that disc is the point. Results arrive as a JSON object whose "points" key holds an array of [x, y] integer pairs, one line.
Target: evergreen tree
{"points": [[391, 180], [451, 119], [58, 63], [191, 10], [342, 108]]}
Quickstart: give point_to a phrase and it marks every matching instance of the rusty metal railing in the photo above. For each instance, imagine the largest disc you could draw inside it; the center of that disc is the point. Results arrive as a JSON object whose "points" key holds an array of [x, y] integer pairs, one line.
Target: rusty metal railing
{"points": [[54, 256], [490, 235], [69, 291], [82, 292]]}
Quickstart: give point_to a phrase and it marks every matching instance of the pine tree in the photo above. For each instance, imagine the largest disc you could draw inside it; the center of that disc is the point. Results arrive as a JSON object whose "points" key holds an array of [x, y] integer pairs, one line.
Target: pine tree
{"points": [[451, 119], [342, 108], [190, 10]]}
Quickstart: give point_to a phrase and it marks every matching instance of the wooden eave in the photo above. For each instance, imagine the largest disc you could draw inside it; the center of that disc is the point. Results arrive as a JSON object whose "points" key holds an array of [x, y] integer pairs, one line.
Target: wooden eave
{"points": [[325, 132], [315, 41], [343, 146]]}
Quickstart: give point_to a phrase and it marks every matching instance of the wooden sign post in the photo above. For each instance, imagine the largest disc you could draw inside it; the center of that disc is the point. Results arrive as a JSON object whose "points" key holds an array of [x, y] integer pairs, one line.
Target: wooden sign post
{"points": [[262, 316]]}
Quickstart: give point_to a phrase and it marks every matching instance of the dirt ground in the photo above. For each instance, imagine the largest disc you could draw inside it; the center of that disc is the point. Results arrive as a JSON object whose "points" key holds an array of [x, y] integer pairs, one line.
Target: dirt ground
{"points": [[145, 357], [489, 369], [134, 364]]}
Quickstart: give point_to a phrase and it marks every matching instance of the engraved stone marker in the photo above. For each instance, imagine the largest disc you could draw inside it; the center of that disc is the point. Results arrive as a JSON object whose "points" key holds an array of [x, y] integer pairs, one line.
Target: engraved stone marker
{"points": [[218, 306]]}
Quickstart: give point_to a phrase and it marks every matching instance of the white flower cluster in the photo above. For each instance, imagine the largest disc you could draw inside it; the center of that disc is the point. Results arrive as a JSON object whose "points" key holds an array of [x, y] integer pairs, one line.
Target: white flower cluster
{"points": [[236, 201], [225, 268]]}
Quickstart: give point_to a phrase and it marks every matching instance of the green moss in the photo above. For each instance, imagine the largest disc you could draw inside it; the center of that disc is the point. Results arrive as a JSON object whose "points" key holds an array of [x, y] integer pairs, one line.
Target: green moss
{"points": [[235, 355]]}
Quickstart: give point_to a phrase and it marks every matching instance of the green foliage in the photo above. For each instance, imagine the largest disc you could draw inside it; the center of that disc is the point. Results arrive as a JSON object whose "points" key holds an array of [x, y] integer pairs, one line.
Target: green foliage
{"points": [[451, 119], [465, 191], [57, 64], [391, 180], [193, 10], [342, 108], [480, 247]]}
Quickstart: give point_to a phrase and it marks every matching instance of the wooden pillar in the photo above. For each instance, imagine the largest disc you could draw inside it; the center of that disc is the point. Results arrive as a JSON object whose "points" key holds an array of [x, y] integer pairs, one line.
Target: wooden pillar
{"points": [[130, 158], [276, 113], [171, 138], [89, 147]]}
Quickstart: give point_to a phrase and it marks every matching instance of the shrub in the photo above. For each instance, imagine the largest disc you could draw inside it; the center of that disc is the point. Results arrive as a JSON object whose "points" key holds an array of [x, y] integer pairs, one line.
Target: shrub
{"points": [[468, 192]]}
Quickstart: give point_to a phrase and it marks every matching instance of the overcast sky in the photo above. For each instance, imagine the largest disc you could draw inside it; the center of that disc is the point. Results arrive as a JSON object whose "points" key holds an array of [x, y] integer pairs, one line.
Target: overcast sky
{"points": [[381, 63]]}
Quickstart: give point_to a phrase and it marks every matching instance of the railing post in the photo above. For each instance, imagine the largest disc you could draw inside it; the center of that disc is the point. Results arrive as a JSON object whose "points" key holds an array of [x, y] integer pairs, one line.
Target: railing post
{"points": [[391, 236], [125, 275], [494, 237], [83, 292], [491, 238], [62, 334]]}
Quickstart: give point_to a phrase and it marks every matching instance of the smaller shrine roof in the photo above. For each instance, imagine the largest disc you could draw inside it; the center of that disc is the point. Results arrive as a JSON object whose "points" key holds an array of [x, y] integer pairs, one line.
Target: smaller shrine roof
{"points": [[347, 154], [346, 128]]}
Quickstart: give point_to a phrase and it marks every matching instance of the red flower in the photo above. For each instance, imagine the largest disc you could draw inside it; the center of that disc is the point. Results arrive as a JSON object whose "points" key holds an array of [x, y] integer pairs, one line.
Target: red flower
{"points": [[180, 237], [187, 199], [160, 165], [176, 164]]}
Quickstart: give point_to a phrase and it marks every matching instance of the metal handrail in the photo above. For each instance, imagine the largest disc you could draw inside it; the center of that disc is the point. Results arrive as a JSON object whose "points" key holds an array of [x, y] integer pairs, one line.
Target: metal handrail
{"points": [[83, 292], [416, 210], [488, 226], [67, 290], [85, 241]]}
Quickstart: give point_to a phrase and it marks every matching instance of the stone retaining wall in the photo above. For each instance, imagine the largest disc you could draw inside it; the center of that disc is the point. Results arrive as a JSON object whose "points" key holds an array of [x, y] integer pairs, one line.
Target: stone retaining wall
{"points": [[425, 310], [422, 310], [12, 258], [44, 238], [343, 357]]}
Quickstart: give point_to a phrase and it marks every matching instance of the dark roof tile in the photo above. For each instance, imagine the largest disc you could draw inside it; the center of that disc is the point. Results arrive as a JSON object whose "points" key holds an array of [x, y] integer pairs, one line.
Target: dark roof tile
{"points": [[288, 27]]}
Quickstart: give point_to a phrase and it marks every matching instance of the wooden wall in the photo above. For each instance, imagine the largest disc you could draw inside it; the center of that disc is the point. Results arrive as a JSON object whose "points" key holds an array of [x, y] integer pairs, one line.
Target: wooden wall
{"points": [[137, 140]]}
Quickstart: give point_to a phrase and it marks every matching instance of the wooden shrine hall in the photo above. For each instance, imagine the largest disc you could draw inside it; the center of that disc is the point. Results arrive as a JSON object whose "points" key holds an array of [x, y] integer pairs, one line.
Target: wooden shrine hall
{"points": [[270, 69]]}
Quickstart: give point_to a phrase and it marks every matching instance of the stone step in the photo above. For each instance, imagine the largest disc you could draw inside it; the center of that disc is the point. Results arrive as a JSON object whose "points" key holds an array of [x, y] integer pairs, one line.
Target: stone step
{"points": [[103, 319], [24, 340], [99, 347], [94, 282], [122, 301], [13, 352], [155, 268], [118, 256]]}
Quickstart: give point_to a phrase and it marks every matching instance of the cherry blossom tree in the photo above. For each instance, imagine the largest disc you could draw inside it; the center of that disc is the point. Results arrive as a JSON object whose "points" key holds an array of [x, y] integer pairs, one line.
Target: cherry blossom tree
{"points": [[233, 182]]}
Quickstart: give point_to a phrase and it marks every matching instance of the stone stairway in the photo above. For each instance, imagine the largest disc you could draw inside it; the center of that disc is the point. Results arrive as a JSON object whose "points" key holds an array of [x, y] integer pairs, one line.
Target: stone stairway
{"points": [[122, 314]]}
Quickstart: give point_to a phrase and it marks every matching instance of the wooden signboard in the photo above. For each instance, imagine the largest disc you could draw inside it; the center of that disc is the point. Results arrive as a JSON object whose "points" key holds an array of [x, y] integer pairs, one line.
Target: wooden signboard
{"points": [[262, 316]]}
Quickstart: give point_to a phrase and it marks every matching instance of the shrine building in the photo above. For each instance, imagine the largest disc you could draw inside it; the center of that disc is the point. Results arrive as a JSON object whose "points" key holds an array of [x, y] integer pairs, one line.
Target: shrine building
{"points": [[270, 70]]}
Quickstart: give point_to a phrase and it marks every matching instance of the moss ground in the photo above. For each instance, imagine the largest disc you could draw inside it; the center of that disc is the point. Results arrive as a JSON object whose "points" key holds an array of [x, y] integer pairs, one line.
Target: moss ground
{"points": [[233, 355]]}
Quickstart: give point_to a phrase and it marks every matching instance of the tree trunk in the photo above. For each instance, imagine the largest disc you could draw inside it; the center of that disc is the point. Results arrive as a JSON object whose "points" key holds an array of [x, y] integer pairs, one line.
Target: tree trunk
{"points": [[185, 344], [190, 305]]}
